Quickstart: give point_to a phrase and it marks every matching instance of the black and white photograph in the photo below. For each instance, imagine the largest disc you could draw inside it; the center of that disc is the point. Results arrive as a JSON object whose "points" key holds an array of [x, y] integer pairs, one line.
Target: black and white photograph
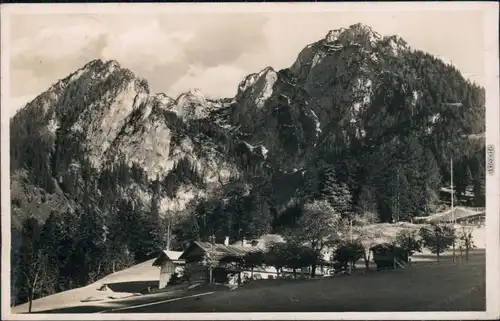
{"points": [[238, 161]]}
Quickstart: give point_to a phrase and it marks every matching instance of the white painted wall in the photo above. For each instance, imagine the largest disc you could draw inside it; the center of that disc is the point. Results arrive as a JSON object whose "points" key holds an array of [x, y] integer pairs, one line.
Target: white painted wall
{"points": [[166, 271]]}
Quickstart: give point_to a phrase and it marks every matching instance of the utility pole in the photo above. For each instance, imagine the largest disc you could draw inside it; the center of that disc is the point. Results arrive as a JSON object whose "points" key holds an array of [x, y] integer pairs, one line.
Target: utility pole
{"points": [[168, 235], [351, 267], [397, 195], [350, 228], [456, 104]]}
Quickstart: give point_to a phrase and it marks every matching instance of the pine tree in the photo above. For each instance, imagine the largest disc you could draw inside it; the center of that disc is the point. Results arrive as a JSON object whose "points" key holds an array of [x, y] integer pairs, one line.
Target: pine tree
{"points": [[311, 187], [189, 230], [90, 246], [410, 177], [479, 189], [151, 222], [400, 200], [337, 193], [66, 250], [367, 202], [431, 181], [118, 241], [256, 217], [51, 241]]}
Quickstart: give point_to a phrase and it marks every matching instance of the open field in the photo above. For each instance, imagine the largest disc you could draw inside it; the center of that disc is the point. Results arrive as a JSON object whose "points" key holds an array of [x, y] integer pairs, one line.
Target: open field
{"points": [[121, 284], [387, 232], [428, 287], [423, 287]]}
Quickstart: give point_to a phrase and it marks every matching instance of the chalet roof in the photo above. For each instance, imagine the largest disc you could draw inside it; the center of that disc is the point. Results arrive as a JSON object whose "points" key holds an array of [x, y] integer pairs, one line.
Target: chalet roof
{"points": [[262, 242], [226, 249], [173, 255], [167, 255], [220, 250]]}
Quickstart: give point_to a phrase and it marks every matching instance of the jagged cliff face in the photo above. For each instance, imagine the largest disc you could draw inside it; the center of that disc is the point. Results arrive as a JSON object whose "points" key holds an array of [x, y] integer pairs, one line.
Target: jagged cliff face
{"points": [[332, 92], [328, 99], [106, 113], [290, 109]]}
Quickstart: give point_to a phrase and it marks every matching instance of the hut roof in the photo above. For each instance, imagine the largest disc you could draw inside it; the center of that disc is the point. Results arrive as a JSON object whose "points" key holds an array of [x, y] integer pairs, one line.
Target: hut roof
{"points": [[459, 213], [167, 255], [220, 250], [262, 242]]}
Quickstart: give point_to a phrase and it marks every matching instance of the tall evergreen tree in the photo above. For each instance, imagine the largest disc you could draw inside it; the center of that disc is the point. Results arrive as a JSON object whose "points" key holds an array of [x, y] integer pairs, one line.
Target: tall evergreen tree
{"points": [[51, 241], [118, 243], [337, 193], [366, 202], [152, 222], [90, 246], [430, 183]]}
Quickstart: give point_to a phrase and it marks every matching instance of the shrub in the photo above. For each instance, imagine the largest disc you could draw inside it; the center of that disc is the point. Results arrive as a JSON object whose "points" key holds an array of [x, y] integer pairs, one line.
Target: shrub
{"points": [[175, 279], [408, 241], [438, 237], [348, 252]]}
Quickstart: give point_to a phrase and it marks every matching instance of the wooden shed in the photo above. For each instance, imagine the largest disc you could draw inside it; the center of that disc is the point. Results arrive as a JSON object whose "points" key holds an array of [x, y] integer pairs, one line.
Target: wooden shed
{"points": [[169, 263]]}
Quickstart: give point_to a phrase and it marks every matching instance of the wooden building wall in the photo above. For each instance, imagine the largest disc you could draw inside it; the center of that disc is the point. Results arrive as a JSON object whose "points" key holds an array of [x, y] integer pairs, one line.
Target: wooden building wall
{"points": [[166, 271]]}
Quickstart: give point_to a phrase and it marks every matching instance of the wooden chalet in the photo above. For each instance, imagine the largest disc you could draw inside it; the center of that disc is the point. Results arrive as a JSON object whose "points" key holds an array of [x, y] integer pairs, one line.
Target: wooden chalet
{"points": [[198, 256]]}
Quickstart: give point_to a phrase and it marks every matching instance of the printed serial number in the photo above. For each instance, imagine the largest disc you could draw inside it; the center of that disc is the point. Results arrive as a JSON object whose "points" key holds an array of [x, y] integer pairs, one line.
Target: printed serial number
{"points": [[490, 159]]}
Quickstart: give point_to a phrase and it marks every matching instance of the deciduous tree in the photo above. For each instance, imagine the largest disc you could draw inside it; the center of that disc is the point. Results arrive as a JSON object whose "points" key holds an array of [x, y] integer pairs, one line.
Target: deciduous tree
{"points": [[211, 261], [437, 237], [254, 259], [465, 241], [299, 256], [318, 227], [409, 242], [276, 256], [348, 253], [32, 260]]}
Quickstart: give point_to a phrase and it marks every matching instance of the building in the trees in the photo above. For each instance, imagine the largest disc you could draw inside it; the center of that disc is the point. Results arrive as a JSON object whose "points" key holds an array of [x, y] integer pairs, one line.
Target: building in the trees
{"points": [[462, 215], [169, 263], [223, 260]]}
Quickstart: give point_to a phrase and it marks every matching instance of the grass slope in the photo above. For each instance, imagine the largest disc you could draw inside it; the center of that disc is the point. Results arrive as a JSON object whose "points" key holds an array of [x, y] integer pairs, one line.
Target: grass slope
{"points": [[131, 280]]}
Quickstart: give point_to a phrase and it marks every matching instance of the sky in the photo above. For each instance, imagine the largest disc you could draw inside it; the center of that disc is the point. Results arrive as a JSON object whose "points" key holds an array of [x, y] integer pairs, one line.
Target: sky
{"points": [[178, 51]]}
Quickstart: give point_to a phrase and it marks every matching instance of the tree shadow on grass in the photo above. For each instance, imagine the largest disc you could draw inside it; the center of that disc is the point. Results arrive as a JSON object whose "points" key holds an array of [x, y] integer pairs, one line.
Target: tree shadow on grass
{"points": [[134, 286], [74, 309], [474, 255]]}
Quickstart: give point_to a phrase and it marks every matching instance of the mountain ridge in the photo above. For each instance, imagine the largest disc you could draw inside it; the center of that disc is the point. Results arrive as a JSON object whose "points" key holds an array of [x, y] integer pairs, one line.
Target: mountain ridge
{"points": [[291, 90]]}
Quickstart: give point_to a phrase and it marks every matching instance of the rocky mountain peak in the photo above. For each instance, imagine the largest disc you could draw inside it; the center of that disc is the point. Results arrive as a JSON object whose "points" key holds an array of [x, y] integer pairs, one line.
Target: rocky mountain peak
{"points": [[258, 87], [356, 34], [358, 43], [191, 105], [191, 96], [162, 99], [100, 63], [99, 69], [396, 44]]}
